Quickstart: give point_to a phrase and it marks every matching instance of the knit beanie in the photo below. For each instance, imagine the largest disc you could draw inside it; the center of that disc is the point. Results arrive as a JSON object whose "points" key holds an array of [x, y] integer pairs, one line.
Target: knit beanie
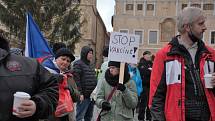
{"points": [[147, 52], [64, 52], [114, 63]]}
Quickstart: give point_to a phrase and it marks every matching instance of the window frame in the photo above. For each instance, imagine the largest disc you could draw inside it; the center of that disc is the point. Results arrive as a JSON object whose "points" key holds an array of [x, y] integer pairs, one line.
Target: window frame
{"points": [[142, 42], [127, 7], [148, 7], [211, 37], [149, 36], [123, 30], [205, 4], [138, 5]]}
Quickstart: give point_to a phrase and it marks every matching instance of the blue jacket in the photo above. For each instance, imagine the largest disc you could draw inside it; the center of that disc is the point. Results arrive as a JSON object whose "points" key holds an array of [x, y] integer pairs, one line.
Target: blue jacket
{"points": [[135, 75]]}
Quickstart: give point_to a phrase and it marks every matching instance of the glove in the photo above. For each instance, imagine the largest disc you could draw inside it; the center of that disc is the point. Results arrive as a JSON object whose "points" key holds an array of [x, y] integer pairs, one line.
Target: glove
{"points": [[106, 106], [121, 87]]}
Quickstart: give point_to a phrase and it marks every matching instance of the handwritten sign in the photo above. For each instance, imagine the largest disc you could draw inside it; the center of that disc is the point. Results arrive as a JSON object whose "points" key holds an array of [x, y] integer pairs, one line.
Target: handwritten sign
{"points": [[123, 47]]}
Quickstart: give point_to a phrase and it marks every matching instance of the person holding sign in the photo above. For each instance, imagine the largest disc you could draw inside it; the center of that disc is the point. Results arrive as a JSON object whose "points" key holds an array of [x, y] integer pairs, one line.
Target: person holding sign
{"points": [[115, 99], [177, 86]]}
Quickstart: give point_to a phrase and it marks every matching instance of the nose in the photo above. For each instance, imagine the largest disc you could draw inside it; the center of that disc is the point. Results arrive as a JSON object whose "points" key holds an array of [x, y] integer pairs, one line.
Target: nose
{"points": [[204, 27]]}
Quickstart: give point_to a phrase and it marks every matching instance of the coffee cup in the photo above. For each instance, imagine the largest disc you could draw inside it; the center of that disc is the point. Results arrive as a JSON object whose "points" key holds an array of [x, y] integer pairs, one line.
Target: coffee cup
{"points": [[208, 78], [19, 97]]}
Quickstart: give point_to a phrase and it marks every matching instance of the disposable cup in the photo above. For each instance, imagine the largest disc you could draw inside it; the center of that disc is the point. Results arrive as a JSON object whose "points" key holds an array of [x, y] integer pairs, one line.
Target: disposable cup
{"points": [[19, 97], [208, 78]]}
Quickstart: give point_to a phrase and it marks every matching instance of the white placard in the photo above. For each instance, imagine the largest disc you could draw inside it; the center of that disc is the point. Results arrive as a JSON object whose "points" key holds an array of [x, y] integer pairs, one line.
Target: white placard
{"points": [[123, 47]]}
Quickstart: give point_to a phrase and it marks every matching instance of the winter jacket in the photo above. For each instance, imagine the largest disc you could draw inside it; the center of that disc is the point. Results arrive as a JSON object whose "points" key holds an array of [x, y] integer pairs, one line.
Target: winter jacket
{"points": [[84, 74], [134, 71], [18, 73], [122, 103], [145, 72], [171, 85]]}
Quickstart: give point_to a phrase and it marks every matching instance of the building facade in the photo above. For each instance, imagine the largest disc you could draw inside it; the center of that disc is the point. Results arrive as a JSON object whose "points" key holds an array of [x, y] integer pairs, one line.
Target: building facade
{"points": [[155, 20], [94, 33]]}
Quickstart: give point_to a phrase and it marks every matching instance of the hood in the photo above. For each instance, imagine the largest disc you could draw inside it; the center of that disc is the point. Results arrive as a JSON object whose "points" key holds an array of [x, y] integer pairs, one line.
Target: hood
{"points": [[84, 51], [4, 44], [4, 48]]}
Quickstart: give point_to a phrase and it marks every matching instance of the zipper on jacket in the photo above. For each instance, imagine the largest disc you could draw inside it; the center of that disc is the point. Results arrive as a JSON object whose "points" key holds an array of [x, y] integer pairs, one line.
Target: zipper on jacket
{"points": [[194, 83]]}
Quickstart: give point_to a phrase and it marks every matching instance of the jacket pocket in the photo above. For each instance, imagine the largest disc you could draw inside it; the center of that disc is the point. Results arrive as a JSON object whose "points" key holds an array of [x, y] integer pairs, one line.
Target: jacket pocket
{"points": [[173, 72]]}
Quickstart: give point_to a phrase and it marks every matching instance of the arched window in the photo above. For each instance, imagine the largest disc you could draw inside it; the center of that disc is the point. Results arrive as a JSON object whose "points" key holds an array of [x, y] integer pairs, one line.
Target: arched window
{"points": [[167, 30]]}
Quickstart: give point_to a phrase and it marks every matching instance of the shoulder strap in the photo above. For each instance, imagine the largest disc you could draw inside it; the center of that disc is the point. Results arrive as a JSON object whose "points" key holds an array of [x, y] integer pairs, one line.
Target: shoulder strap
{"points": [[111, 94]]}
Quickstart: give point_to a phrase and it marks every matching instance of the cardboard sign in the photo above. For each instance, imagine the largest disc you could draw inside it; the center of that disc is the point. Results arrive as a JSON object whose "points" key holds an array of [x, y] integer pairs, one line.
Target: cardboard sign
{"points": [[123, 47]]}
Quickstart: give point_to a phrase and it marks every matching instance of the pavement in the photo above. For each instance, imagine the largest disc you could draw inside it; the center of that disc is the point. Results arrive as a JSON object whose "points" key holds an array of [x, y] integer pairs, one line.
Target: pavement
{"points": [[97, 110]]}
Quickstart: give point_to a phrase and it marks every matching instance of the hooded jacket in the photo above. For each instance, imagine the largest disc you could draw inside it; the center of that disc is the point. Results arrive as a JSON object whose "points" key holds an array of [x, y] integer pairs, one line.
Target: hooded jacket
{"points": [[170, 82], [18, 73], [84, 74]]}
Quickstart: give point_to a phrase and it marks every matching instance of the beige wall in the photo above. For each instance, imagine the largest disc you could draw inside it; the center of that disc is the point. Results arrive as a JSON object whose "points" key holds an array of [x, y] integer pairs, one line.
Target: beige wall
{"points": [[162, 19], [93, 31]]}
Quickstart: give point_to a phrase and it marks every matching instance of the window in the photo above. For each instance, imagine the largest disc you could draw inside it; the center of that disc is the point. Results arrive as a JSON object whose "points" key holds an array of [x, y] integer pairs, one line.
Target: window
{"points": [[212, 37], [183, 6], [123, 31], [196, 5], [150, 7], [129, 6], [139, 6], [140, 33], [208, 6], [153, 37]]}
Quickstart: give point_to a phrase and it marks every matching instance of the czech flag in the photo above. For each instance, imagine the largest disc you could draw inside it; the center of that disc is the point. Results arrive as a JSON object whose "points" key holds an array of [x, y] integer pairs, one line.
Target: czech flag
{"points": [[36, 45]]}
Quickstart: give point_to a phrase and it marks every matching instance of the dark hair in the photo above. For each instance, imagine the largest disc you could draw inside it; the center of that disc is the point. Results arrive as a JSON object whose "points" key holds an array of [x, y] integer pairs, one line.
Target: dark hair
{"points": [[57, 46], [105, 51], [146, 52]]}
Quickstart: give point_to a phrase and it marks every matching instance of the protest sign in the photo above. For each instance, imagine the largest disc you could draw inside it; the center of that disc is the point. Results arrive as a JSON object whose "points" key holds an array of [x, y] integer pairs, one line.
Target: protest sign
{"points": [[123, 48]]}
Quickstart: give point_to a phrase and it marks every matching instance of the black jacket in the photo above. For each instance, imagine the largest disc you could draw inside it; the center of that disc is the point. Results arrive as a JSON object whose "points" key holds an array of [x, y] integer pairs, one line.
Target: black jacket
{"points": [[84, 74], [18, 73], [145, 73]]}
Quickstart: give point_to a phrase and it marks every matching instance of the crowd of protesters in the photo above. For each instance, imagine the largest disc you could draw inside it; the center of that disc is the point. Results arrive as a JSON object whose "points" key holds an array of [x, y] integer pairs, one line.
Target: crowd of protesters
{"points": [[169, 86]]}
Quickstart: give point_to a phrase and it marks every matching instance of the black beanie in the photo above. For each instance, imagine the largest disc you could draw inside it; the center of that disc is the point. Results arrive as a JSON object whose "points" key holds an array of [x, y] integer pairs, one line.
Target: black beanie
{"points": [[146, 52], [64, 52], [114, 63]]}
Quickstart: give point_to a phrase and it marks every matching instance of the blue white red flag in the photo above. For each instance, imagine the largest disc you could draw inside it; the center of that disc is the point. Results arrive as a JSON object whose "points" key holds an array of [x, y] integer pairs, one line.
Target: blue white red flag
{"points": [[36, 45]]}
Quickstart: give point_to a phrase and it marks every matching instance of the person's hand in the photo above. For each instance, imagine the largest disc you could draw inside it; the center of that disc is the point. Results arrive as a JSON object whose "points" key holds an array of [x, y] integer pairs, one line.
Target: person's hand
{"points": [[106, 106], [27, 109], [213, 79], [81, 98], [121, 87]]}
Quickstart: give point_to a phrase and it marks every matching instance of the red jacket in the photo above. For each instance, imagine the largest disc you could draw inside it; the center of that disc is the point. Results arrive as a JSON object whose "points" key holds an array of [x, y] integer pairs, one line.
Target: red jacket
{"points": [[170, 69]]}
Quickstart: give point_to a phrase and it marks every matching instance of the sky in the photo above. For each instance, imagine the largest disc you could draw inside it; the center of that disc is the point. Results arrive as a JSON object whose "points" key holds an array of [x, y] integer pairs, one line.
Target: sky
{"points": [[106, 11]]}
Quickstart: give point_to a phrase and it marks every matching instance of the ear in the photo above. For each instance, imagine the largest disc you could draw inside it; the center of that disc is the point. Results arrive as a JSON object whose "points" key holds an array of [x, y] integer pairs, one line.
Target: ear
{"points": [[187, 27]]}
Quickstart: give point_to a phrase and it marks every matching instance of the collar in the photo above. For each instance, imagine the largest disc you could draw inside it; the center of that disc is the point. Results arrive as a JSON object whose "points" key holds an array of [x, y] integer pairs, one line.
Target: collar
{"points": [[179, 49]]}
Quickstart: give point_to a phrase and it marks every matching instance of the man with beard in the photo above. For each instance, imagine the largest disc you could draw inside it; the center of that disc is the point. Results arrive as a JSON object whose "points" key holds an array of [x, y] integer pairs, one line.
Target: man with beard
{"points": [[177, 85]]}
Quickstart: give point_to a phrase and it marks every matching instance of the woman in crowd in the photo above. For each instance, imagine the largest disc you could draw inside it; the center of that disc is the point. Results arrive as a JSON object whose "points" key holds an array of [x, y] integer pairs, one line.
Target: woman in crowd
{"points": [[60, 64], [123, 100]]}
